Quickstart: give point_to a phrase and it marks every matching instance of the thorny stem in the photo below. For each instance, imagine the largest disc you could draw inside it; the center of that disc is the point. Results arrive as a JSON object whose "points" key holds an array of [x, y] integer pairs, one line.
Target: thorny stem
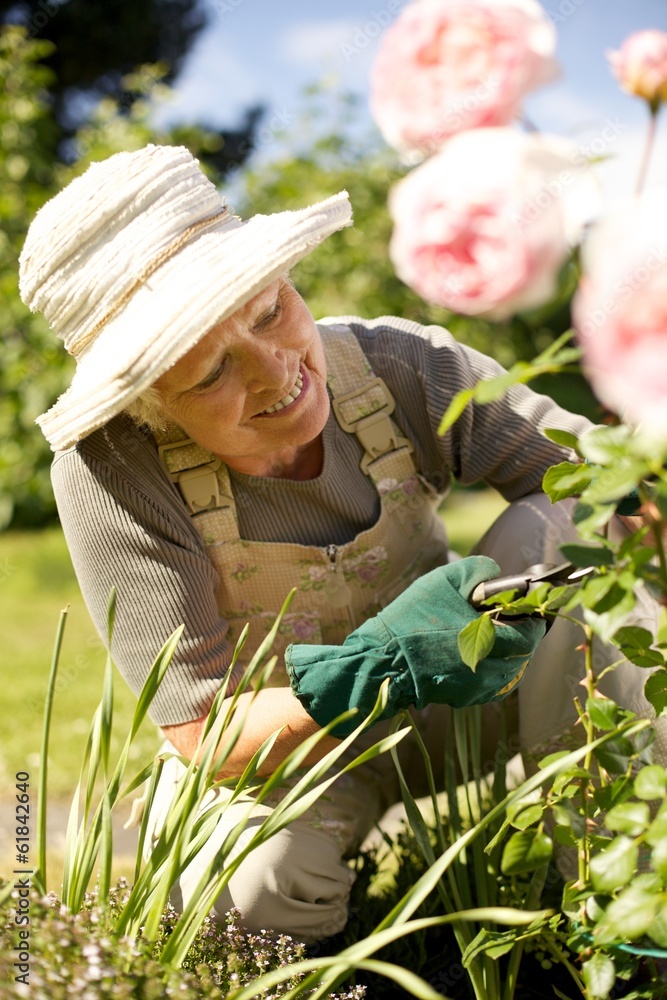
{"points": [[584, 850], [656, 529]]}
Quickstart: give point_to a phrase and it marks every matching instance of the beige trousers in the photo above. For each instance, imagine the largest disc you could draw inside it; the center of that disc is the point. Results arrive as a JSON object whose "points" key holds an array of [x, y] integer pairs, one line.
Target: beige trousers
{"points": [[298, 882]]}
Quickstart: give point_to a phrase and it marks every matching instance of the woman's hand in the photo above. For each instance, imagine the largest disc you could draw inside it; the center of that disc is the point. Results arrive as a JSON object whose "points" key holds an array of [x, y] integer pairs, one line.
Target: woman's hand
{"points": [[414, 643]]}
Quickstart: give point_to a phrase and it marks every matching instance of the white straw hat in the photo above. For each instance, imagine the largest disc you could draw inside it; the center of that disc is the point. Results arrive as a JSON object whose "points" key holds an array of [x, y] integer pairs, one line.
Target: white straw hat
{"points": [[132, 264]]}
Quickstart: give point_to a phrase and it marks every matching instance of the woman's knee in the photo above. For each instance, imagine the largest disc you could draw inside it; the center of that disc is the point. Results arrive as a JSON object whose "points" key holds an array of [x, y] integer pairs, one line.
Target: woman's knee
{"points": [[296, 883]]}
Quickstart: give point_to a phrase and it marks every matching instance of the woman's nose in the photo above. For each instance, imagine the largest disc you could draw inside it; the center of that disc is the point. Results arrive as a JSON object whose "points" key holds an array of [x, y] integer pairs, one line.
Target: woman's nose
{"points": [[266, 368]]}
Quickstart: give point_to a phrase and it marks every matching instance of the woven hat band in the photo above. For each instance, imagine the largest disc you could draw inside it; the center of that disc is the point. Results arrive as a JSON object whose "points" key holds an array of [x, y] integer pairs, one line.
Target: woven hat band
{"points": [[78, 345]]}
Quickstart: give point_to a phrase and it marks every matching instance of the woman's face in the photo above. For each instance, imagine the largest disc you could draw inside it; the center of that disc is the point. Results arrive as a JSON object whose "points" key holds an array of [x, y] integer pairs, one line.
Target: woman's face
{"points": [[253, 390]]}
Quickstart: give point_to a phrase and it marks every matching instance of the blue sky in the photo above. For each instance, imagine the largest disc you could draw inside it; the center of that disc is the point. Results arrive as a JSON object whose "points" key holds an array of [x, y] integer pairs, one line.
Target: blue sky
{"points": [[267, 50]]}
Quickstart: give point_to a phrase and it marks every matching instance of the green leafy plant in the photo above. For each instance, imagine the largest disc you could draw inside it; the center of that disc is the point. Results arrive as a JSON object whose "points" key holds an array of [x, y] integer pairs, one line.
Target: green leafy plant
{"points": [[606, 807]]}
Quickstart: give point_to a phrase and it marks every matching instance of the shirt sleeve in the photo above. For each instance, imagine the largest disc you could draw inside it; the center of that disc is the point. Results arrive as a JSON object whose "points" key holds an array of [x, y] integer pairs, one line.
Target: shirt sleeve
{"points": [[501, 443], [132, 532]]}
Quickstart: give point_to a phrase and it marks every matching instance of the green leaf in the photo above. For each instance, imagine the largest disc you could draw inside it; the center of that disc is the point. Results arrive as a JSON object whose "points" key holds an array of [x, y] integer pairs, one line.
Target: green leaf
{"points": [[651, 782], [659, 859], [558, 597], [655, 690], [657, 831], [476, 640], [615, 754], [571, 775], [602, 712], [628, 917], [525, 851], [567, 815], [599, 976], [562, 437], [564, 835], [551, 758], [588, 555], [589, 518], [610, 612], [631, 818], [565, 480], [614, 483], [635, 644], [493, 943], [661, 634], [657, 930], [614, 867], [609, 795], [455, 409], [488, 390], [605, 445], [527, 817]]}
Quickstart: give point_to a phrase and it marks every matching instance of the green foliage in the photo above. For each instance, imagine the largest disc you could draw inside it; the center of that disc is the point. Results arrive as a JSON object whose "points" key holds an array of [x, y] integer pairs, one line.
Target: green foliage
{"points": [[32, 371]]}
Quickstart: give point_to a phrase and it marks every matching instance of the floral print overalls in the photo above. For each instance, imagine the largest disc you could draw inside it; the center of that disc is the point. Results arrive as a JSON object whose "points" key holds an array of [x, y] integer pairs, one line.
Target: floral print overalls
{"points": [[338, 586]]}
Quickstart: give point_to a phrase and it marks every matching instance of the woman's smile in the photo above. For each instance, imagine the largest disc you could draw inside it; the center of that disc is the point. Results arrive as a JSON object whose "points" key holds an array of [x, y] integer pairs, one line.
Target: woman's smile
{"points": [[289, 401]]}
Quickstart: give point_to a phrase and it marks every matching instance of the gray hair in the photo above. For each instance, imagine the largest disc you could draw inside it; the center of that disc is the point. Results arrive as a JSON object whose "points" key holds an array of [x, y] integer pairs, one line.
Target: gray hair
{"points": [[147, 410]]}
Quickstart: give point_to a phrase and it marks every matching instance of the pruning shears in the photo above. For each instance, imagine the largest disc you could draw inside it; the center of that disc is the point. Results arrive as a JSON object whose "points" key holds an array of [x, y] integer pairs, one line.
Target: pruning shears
{"points": [[562, 575]]}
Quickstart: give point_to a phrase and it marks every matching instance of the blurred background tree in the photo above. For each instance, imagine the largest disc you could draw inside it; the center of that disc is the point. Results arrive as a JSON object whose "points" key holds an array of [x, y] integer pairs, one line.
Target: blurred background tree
{"points": [[95, 48]]}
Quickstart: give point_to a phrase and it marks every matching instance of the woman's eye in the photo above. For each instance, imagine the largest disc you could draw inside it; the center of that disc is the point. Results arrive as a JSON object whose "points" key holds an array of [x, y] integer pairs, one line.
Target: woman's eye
{"points": [[269, 317], [212, 378]]}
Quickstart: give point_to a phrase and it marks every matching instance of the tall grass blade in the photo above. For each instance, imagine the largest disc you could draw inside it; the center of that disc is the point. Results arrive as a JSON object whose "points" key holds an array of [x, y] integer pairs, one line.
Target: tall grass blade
{"points": [[156, 772], [39, 876]]}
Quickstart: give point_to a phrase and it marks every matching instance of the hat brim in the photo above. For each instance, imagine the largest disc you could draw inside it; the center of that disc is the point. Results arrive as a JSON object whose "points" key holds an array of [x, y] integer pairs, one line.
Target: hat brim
{"points": [[201, 285]]}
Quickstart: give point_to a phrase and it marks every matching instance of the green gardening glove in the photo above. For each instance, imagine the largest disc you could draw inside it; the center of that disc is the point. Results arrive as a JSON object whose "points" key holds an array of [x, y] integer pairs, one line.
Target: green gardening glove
{"points": [[413, 641]]}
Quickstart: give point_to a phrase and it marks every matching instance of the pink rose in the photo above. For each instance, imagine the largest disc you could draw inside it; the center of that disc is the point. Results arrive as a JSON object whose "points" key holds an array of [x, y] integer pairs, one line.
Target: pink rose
{"points": [[449, 65], [641, 65], [620, 312], [483, 227]]}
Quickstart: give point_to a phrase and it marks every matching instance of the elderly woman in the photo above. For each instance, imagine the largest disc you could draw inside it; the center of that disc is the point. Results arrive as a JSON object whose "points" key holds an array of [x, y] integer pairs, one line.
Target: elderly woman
{"points": [[217, 447]]}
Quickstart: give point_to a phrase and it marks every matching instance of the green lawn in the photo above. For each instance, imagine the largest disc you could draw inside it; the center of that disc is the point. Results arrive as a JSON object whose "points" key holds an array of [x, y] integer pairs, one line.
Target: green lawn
{"points": [[36, 581]]}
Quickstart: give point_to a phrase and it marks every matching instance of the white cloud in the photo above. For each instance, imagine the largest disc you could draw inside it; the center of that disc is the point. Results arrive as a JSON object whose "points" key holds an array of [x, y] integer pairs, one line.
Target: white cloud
{"points": [[316, 42]]}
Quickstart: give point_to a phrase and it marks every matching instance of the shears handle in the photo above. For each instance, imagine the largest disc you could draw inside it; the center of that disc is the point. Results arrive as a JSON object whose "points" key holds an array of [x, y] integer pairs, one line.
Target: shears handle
{"points": [[520, 583]]}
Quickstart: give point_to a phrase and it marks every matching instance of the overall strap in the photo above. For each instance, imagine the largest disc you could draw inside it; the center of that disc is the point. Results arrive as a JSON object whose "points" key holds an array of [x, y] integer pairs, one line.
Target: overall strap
{"points": [[363, 404], [202, 479]]}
